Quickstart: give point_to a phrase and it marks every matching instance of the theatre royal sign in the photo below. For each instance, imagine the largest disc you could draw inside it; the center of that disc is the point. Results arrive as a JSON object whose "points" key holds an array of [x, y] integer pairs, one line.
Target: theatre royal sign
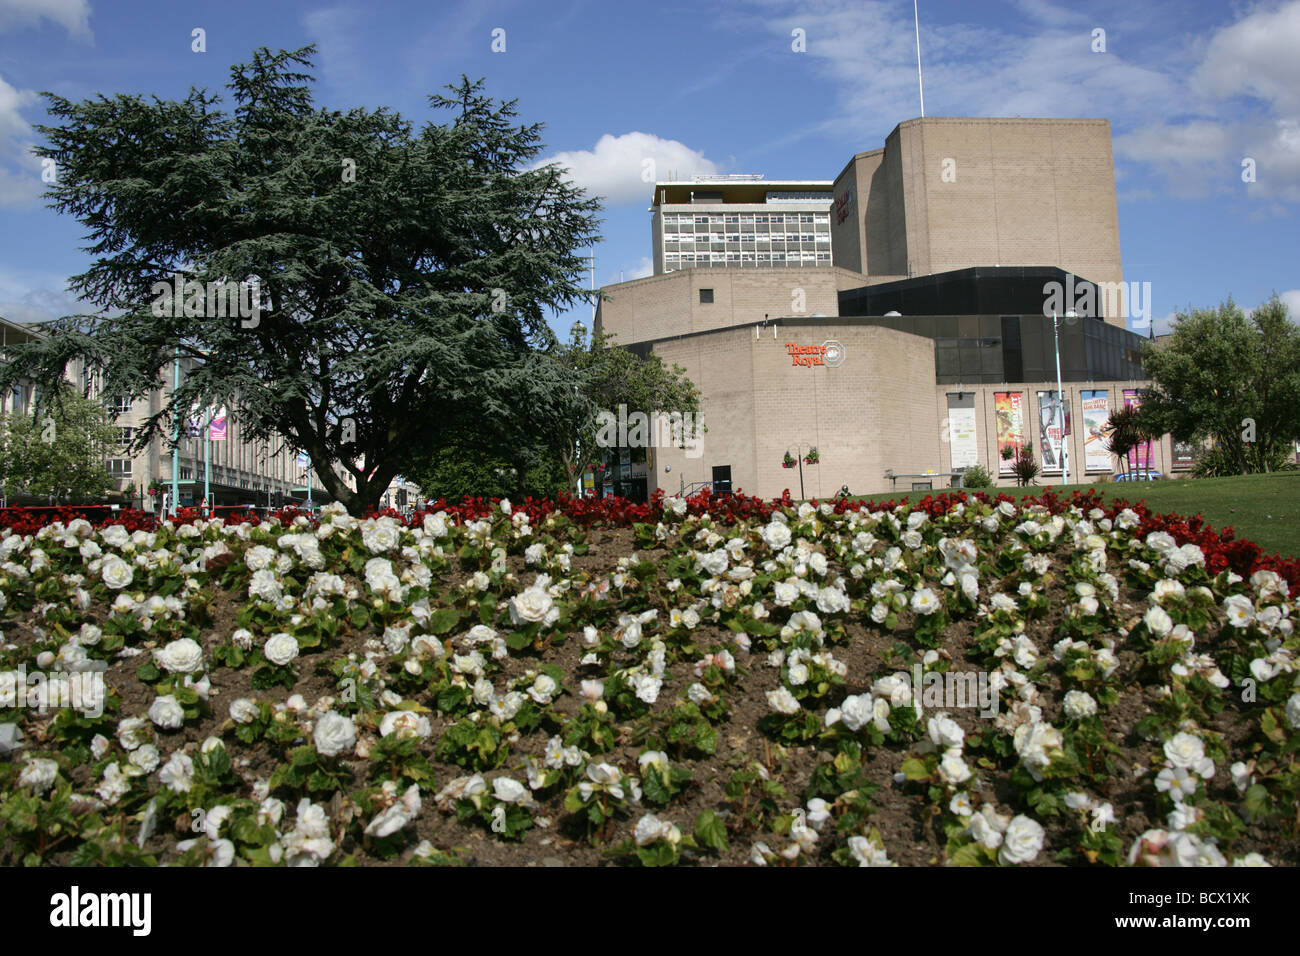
{"points": [[830, 354]]}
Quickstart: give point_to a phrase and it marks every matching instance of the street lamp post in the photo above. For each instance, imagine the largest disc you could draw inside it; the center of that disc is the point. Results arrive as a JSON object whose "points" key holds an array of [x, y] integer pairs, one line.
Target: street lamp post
{"points": [[1060, 403], [176, 436]]}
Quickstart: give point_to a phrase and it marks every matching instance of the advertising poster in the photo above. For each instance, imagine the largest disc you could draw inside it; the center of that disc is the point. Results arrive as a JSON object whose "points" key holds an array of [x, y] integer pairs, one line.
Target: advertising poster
{"points": [[961, 432], [1009, 408], [1185, 454], [1096, 430], [1139, 459], [1050, 438]]}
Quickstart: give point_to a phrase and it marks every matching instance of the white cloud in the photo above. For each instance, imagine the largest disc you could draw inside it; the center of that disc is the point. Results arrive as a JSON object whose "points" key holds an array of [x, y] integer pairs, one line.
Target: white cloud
{"points": [[1256, 56], [34, 296], [20, 171], [72, 15], [643, 267], [1292, 299], [1174, 100], [335, 30], [623, 169]]}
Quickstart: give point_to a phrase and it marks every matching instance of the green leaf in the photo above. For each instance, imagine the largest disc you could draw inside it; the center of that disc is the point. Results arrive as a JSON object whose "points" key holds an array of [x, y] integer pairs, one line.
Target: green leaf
{"points": [[710, 831], [659, 853], [652, 785], [914, 768], [972, 854], [148, 672], [443, 620]]}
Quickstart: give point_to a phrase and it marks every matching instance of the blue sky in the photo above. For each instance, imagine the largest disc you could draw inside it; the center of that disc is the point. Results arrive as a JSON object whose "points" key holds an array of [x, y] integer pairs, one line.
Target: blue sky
{"points": [[1191, 90]]}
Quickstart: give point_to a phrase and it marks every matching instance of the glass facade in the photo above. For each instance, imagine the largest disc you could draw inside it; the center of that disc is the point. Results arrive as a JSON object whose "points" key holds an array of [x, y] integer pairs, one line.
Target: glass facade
{"points": [[695, 240]]}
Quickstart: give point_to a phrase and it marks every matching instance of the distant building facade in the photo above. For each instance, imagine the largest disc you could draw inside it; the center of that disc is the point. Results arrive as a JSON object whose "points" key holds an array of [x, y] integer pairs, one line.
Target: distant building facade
{"points": [[923, 344]]}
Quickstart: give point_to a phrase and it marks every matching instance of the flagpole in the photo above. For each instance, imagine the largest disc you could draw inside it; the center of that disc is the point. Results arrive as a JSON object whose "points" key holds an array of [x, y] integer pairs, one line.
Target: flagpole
{"points": [[916, 19]]}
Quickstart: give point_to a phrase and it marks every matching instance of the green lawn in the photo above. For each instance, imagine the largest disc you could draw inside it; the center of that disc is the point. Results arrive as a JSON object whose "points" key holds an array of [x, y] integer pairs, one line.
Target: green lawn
{"points": [[1263, 508]]}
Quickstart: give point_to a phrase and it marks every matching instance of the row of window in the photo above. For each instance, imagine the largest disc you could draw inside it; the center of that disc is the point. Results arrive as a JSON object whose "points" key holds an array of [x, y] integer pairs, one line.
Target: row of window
{"points": [[749, 246], [746, 218], [686, 260], [671, 237]]}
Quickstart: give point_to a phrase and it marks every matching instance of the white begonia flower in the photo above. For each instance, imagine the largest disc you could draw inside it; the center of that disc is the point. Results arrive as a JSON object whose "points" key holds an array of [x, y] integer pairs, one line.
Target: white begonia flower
{"points": [[397, 816], [867, 853], [1179, 782], [945, 732], [405, 723], [650, 829], [785, 593], [381, 537], [509, 791], [1022, 841], [334, 734], [132, 732], [857, 710], [39, 774], [116, 573], [1239, 609], [167, 712], [177, 774], [987, 827], [647, 687], [782, 701], [776, 535], [533, 605], [543, 689], [925, 601], [953, 769], [114, 785], [243, 710], [264, 586], [1158, 622], [280, 648], [831, 600], [184, 656], [1184, 750], [1079, 704], [144, 758]]}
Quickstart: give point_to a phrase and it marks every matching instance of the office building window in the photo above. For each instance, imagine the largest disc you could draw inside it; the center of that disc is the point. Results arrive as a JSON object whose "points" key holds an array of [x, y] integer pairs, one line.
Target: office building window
{"points": [[118, 467]]}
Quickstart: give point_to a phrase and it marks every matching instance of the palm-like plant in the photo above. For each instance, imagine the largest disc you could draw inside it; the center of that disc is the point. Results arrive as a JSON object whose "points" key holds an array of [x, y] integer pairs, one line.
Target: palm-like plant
{"points": [[1127, 431]]}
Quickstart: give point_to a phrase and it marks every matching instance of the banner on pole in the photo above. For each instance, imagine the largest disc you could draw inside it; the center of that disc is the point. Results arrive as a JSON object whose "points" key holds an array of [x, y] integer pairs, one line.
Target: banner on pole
{"points": [[217, 428]]}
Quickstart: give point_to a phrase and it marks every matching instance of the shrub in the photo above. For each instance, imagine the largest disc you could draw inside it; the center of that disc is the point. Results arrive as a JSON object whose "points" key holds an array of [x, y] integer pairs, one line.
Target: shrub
{"points": [[1026, 466], [977, 476]]}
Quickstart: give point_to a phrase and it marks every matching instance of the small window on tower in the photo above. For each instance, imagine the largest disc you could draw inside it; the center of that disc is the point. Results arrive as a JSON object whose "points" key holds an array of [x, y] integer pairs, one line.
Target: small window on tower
{"points": [[706, 295]]}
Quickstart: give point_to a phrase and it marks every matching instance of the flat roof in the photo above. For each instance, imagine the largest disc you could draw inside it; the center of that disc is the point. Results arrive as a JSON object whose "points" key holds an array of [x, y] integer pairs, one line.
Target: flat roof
{"points": [[678, 192]]}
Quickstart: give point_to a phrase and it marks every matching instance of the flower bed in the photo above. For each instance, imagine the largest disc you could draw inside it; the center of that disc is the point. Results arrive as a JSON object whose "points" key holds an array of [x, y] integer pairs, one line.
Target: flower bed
{"points": [[719, 679]]}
